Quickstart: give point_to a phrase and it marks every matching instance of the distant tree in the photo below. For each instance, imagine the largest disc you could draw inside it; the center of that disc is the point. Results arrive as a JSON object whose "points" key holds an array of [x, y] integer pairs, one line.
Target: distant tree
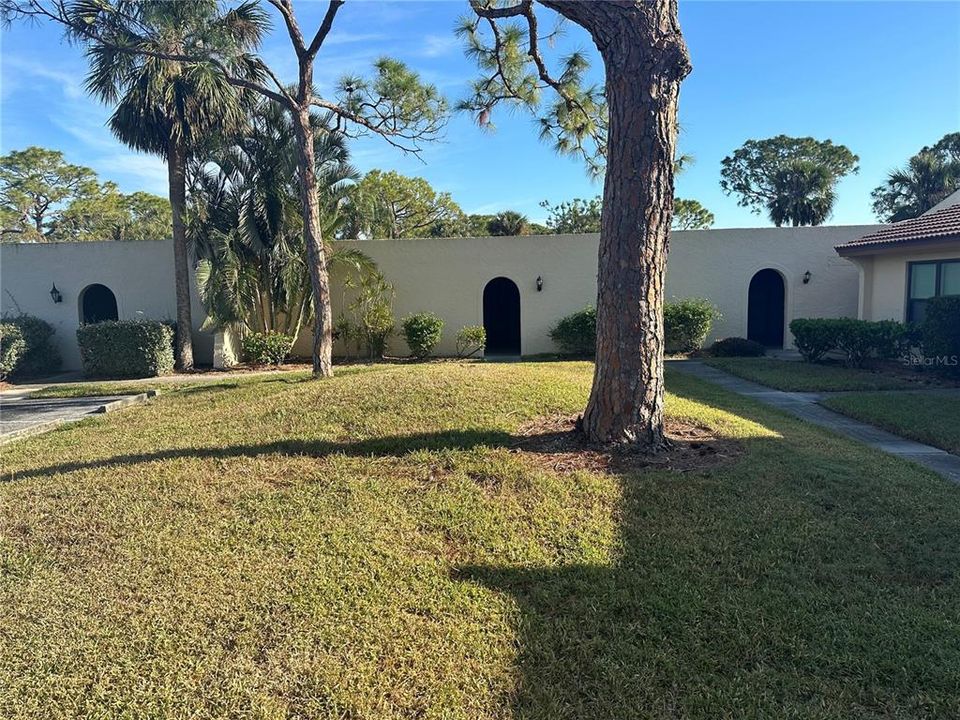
{"points": [[690, 215], [793, 179], [583, 216], [928, 177], [574, 216], [509, 222], [478, 225], [42, 197], [36, 186], [386, 204]]}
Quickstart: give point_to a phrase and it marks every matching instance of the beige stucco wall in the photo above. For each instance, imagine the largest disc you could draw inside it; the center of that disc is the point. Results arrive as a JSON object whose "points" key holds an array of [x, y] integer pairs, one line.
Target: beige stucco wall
{"points": [[447, 277], [140, 274], [884, 280]]}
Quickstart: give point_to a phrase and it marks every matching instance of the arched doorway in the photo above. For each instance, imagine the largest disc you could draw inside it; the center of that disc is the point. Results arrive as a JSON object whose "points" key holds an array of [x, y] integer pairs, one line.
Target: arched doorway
{"points": [[766, 304], [501, 317], [97, 304]]}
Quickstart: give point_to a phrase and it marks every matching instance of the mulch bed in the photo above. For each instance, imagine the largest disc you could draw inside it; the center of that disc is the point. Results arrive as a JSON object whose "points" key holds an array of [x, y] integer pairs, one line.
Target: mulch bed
{"points": [[554, 442]]}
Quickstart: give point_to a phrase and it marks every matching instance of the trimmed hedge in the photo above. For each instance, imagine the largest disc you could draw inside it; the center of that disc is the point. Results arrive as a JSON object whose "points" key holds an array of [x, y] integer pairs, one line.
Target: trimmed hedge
{"points": [[40, 356], [422, 331], [270, 348], [941, 333], [737, 347], [856, 339], [686, 324], [124, 348], [576, 334], [470, 340], [12, 346]]}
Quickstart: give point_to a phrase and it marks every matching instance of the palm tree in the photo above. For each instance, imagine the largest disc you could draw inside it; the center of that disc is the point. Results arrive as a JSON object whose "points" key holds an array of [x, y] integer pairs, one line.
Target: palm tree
{"points": [[172, 109], [928, 178], [803, 194], [509, 222], [246, 222]]}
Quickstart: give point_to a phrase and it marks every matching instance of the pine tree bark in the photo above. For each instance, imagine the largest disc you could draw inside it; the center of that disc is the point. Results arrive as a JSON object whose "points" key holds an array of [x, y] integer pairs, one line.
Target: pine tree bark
{"points": [[177, 177], [316, 254], [645, 60]]}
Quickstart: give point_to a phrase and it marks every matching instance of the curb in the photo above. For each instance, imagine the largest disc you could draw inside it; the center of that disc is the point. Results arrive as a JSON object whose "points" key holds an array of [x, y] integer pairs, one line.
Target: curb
{"points": [[115, 405]]}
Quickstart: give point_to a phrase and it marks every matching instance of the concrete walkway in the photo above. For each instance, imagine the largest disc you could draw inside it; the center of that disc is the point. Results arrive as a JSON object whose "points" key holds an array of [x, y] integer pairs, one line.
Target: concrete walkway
{"points": [[805, 405], [22, 417]]}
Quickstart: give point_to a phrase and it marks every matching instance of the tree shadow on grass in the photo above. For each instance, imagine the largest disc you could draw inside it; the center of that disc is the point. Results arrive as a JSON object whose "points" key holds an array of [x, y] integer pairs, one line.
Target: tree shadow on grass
{"points": [[398, 445]]}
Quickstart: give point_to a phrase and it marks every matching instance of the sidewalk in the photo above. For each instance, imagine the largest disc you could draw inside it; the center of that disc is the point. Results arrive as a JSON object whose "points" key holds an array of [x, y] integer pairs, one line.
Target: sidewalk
{"points": [[805, 405]]}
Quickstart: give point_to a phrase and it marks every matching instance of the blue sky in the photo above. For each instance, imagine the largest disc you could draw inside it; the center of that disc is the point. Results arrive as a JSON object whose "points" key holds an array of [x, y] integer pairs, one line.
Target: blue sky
{"points": [[880, 77]]}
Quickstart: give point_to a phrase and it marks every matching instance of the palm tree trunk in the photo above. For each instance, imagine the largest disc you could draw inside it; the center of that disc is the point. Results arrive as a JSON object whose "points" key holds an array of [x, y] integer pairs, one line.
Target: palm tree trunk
{"points": [[177, 176], [645, 60], [316, 255]]}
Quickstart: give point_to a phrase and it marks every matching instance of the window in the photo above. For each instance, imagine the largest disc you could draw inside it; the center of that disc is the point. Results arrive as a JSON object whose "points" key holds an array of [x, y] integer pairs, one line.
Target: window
{"points": [[927, 280]]}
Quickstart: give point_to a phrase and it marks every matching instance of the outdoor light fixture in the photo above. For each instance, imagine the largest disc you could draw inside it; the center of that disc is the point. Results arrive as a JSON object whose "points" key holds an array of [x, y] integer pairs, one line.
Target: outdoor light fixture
{"points": [[55, 294], [539, 284], [806, 277]]}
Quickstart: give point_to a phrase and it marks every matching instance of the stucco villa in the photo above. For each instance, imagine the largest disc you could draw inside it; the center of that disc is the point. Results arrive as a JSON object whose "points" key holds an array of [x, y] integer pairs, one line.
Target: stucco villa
{"points": [[519, 287]]}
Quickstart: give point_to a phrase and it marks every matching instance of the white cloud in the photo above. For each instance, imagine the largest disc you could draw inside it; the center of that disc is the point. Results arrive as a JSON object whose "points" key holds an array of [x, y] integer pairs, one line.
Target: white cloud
{"points": [[437, 45], [70, 83]]}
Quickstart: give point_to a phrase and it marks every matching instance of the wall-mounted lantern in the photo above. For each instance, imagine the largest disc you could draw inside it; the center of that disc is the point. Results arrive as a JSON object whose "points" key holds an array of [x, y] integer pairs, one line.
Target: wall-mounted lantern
{"points": [[55, 294], [539, 284], [806, 277]]}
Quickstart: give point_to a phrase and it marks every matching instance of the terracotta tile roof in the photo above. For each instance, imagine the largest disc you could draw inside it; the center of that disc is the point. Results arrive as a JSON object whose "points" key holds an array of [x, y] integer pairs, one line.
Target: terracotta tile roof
{"points": [[943, 223]]}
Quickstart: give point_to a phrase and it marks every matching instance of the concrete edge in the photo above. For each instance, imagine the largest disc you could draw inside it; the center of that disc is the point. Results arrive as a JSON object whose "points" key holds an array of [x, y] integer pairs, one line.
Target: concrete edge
{"points": [[29, 432], [115, 405]]}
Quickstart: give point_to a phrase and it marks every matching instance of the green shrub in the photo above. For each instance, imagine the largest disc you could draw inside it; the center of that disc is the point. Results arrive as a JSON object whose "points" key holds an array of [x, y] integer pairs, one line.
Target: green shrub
{"points": [[12, 346], [941, 333], [372, 321], [686, 324], [856, 339], [40, 355], [270, 348], [124, 348], [422, 331], [891, 339], [814, 337], [470, 340], [576, 334], [737, 347]]}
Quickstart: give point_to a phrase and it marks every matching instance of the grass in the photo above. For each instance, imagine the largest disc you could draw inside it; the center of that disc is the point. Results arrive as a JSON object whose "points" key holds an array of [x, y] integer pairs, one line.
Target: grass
{"points": [[165, 384], [806, 377], [931, 418], [370, 547]]}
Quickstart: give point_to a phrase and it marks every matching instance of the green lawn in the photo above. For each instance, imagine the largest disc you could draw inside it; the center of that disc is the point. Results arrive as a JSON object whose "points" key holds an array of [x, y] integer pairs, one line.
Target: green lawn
{"points": [[806, 377], [372, 547], [931, 418]]}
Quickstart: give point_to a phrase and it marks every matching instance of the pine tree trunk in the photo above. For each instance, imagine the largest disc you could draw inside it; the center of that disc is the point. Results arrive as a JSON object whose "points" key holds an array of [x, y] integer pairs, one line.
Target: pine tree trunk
{"points": [[645, 60], [316, 255], [176, 171]]}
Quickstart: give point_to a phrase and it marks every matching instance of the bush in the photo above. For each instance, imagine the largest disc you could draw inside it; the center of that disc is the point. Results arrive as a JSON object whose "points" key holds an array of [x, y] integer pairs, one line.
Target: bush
{"points": [[856, 339], [472, 338], [814, 337], [12, 346], [40, 355], [686, 324], [125, 348], [737, 347], [892, 340], [941, 333], [270, 348], [576, 334], [422, 331]]}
